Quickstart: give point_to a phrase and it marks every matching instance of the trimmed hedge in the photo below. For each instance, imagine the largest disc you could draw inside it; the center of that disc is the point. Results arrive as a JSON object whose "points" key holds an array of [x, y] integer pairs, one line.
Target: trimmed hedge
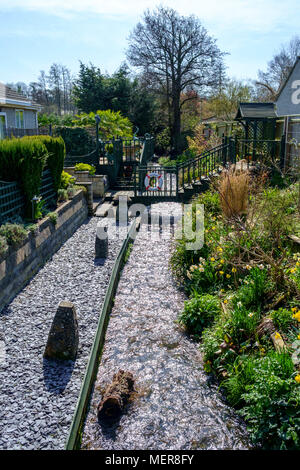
{"points": [[23, 160], [56, 156]]}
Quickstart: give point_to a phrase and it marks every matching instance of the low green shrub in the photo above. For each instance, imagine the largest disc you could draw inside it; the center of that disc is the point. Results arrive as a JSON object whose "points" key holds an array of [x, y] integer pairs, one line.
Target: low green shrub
{"points": [[72, 191], [39, 209], [167, 162], [85, 167], [3, 245], [13, 233], [240, 374], [282, 319], [242, 324], [66, 180], [253, 290], [272, 403], [62, 195], [53, 217], [199, 312]]}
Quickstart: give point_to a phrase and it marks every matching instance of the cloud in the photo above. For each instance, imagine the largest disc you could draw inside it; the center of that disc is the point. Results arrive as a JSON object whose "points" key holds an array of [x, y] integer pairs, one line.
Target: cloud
{"points": [[254, 15]]}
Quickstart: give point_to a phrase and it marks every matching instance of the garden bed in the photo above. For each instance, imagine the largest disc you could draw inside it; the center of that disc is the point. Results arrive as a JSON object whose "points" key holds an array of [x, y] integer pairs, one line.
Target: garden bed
{"points": [[19, 263], [38, 396], [244, 306]]}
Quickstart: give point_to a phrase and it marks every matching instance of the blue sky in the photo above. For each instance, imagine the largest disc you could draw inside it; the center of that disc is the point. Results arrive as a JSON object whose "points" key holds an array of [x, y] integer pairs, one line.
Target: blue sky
{"points": [[36, 33]]}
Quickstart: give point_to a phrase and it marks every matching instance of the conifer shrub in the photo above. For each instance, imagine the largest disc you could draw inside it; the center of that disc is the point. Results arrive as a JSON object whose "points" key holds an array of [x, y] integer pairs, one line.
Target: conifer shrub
{"points": [[23, 160], [56, 156]]}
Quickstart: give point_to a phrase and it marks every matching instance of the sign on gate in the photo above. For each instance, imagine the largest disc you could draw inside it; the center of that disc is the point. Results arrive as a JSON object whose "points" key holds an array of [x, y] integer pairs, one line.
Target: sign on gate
{"points": [[153, 182]]}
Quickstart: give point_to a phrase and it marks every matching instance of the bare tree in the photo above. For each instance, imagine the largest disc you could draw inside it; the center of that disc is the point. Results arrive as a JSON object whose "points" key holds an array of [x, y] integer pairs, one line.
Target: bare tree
{"points": [[279, 67], [179, 55], [55, 80]]}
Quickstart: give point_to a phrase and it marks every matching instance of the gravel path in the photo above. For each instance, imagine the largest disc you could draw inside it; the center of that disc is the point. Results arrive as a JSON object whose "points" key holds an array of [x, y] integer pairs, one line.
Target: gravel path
{"points": [[38, 397], [176, 406]]}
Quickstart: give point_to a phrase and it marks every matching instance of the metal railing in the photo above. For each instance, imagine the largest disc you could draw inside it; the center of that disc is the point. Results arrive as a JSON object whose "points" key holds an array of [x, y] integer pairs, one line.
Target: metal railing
{"points": [[11, 200], [254, 150], [202, 166], [11, 132], [154, 181]]}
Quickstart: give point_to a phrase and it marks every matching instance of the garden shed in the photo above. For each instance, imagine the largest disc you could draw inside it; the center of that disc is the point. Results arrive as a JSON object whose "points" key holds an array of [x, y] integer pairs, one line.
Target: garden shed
{"points": [[259, 125], [258, 120]]}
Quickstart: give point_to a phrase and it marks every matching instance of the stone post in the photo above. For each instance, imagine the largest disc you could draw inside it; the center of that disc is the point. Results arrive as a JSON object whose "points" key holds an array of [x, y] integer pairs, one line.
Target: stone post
{"points": [[63, 336], [101, 243]]}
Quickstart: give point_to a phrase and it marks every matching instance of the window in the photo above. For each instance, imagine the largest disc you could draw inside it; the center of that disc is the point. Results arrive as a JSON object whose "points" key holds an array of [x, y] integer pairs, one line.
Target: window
{"points": [[2, 125], [19, 119]]}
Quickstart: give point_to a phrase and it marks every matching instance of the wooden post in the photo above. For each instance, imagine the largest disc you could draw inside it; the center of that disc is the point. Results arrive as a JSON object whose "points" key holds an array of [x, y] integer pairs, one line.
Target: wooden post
{"points": [[282, 151]]}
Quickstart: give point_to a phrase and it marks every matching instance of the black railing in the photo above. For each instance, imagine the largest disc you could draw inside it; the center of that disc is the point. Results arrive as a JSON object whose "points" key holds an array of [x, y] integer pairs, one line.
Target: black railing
{"points": [[258, 150], [161, 181], [202, 166], [11, 200]]}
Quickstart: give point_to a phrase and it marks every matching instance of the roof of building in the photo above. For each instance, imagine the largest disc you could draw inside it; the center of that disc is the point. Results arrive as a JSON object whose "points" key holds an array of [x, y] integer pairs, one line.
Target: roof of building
{"points": [[256, 111], [10, 97], [287, 78]]}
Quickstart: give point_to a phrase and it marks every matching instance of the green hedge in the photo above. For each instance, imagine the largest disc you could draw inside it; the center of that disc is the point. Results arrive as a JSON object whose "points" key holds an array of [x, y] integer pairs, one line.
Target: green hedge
{"points": [[23, 160], [78, 141], [56, 156]]}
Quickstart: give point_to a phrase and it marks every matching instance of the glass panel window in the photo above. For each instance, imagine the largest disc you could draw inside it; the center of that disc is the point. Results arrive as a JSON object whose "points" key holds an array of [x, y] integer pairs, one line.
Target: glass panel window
{"points": [[19, 119], [2, 126]]}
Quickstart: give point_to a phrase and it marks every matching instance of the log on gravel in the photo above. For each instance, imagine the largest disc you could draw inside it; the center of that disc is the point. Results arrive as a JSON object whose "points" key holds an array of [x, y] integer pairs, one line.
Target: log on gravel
{"points": [[116, 395]]}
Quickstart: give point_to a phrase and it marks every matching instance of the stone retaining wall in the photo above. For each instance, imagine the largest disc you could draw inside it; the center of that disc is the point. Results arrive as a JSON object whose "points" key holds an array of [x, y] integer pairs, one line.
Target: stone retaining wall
{"points": [[99, 182], [19, 265]]}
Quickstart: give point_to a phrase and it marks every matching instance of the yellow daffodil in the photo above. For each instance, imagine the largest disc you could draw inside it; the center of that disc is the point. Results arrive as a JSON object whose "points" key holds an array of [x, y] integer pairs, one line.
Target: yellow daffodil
{"points": [[222, 261], [277, 335], [212, 259], [298, 337], [297, 378], [228, 276], [233, 270], [297, 316], [294, 309], [225, 301], [221, 273]]}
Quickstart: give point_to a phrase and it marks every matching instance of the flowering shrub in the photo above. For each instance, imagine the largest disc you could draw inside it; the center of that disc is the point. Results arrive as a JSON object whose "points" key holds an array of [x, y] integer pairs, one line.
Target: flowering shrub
{"points": [[199, 312], [249, 266]]}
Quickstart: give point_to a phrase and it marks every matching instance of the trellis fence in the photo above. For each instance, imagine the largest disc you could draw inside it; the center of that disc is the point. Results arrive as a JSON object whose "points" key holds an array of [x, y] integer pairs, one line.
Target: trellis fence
{"points": [[12, 200]]}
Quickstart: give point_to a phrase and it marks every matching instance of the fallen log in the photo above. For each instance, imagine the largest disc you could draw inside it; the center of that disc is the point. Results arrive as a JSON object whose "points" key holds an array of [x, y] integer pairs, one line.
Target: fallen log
{"points": [[116, 395]]}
